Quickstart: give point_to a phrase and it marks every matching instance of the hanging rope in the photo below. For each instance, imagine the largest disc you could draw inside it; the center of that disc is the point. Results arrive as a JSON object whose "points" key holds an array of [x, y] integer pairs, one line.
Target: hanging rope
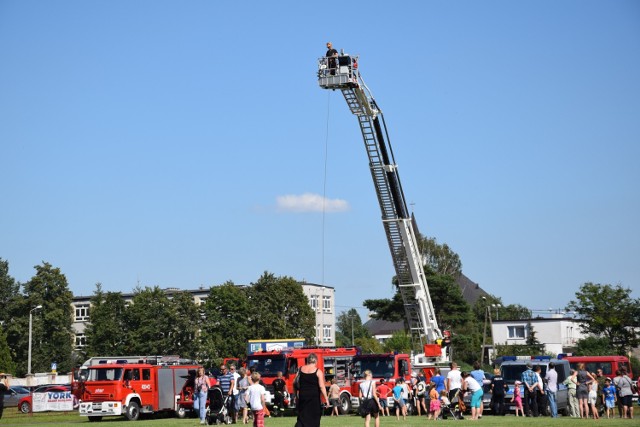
{"points": [[324, 181]]}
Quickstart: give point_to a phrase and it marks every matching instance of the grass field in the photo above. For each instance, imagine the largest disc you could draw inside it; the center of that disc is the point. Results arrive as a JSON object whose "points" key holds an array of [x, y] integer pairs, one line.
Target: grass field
{"points": [[13, 418]]}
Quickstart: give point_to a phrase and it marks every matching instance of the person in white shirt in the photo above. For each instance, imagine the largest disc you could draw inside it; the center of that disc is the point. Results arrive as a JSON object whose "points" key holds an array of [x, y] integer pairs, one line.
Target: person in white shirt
{"points": [[257, 403], [454, 380], [470, 384], [552, 388]]}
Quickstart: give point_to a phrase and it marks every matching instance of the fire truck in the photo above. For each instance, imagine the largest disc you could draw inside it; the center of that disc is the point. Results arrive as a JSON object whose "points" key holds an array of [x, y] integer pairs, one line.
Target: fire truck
{"points": [[334, 362], [131, 389], [342, 73]]}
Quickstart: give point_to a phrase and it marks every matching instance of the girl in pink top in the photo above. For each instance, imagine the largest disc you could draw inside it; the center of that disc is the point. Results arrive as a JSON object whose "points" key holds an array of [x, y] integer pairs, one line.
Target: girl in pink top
{"points": [[517, 398]]}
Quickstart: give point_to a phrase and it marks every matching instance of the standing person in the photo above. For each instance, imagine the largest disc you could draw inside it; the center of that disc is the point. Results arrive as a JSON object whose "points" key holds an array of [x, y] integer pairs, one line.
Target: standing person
{"points": [[454, 381], [4, 386], [541, 397], [234, 393], [200, 392], [601, 383], [241, 400], [609, 397], [383, 391], [584, 378], [421, 394], [439, 380], [624, 384], [334, 397], [332, 54], [398, 399], [469, 383], [434, 402], [310, 389], [530, 381], [572, 383], [256, 393], [367, 391], [226, 382], [552, 388], [498, 387], [279, 390], [593, 397], [517, 398]]}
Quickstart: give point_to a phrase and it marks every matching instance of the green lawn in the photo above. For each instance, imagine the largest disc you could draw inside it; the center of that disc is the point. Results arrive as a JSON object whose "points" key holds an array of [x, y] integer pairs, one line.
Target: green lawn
{"points": [[13, 418]]}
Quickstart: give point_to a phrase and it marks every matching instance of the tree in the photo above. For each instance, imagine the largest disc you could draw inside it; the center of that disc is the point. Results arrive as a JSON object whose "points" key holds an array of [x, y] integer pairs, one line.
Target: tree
{"points": [[227, 322], [52, 325], [9, 290], [400, 341], [349, 327], [106, 331], [439, 258], [148, 322], [281, 309], [609, 311], [532, 340], [183, 335], [592, 346], [6, 362]]}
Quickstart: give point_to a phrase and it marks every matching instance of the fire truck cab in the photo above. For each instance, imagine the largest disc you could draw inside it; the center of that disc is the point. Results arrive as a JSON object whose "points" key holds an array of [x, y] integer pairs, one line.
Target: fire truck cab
{"points": [[130, 389]]}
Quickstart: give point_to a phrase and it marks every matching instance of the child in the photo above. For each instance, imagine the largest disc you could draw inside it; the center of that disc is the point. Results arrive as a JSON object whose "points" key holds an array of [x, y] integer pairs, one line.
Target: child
{"points": [[517, 398], [609, 396], [398, 400], [434, 405], [256, 400], [593, 397]]}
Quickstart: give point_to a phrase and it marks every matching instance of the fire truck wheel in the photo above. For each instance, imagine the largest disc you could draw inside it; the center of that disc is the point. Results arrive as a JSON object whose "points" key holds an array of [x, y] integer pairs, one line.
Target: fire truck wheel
{"points": [[182, 412], [345, 403], [95, 419], [133, 411]]}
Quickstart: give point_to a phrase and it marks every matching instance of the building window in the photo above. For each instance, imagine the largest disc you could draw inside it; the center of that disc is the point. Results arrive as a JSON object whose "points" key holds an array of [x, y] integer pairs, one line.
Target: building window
{"points": [[326, 304], [516, 332], [326, 332], [81, 340], [314, 301], [82, 312]]}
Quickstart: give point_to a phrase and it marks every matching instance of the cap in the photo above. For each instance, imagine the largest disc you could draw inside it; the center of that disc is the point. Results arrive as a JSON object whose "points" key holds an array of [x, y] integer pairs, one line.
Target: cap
{"points": [[529, 365]]}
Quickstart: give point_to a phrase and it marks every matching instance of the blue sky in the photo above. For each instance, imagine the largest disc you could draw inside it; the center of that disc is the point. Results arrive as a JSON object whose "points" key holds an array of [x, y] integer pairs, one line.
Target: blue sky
{"points": [[169, 142]]}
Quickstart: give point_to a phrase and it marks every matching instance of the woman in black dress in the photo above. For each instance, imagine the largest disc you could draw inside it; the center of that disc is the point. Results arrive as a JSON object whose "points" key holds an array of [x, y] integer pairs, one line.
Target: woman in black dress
{"points": [[310, 386]]}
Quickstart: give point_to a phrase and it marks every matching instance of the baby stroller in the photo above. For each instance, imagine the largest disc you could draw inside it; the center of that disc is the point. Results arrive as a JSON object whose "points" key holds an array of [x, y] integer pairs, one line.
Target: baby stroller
{"points": [[217, 411], [451, 408]]}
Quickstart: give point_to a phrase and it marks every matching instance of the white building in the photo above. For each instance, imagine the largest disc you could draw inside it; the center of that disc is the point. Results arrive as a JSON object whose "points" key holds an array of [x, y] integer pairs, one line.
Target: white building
{"points": [[322, 300], [558, 334]]}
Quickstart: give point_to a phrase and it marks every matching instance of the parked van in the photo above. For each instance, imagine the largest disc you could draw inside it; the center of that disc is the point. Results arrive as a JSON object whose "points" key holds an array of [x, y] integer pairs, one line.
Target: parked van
{"points": [[608, 364], [512, 368]]}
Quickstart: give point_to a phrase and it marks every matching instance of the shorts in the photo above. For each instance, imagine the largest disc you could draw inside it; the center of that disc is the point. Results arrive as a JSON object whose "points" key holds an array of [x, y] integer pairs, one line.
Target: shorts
{"points": [[476, 399], [582, 391], [610, 404], [626, 400], [383, 403], [400, 403], [335, 403]]}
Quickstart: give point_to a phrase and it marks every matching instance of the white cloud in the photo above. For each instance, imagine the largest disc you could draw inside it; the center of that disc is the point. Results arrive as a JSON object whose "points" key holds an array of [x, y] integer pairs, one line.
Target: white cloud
{"points": [[309, 202]]}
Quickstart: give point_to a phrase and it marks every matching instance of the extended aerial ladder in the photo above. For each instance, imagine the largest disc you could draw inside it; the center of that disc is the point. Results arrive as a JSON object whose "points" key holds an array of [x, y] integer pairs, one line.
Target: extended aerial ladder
{"points": [[342, 73]]}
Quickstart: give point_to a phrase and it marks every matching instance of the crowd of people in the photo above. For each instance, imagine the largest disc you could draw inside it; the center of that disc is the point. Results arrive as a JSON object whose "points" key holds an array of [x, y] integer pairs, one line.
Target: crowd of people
{"points": [[589, 394]]}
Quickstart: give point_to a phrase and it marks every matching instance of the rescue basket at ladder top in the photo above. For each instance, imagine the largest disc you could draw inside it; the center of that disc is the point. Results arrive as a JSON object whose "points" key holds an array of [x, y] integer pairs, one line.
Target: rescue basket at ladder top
{"points": [[338, 72]]}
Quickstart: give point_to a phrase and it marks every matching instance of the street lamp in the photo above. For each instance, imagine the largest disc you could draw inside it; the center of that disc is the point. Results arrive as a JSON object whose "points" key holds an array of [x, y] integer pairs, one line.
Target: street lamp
{"points": [[38, 307]]}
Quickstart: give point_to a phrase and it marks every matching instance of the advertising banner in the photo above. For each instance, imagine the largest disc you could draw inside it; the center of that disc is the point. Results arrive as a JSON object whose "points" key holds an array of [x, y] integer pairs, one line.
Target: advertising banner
{"points": [[52, 401]]}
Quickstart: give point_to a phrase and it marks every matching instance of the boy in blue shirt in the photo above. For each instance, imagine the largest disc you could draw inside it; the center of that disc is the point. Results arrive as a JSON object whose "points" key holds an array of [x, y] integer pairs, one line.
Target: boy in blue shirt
{"points": [[609, 396], [398, 399]]}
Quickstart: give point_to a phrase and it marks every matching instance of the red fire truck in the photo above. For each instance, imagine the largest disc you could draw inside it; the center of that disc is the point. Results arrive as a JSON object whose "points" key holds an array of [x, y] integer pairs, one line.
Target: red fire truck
{"points": [[334, 362], [130, 389]]}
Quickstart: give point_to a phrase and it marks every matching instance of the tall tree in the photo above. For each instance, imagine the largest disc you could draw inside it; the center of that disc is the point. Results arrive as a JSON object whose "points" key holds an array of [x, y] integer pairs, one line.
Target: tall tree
{"points": [[439, 257], [148, 321], [52, 325], [185, 326], [106, 331], [227, 322], [349, 327], [281, 309], [609, 311], [9, 291], [11, 329], [6, 361]]}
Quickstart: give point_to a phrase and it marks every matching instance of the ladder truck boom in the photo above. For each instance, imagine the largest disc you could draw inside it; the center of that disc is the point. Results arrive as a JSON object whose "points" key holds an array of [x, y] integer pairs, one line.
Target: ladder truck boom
{"points": [[342, 73]]}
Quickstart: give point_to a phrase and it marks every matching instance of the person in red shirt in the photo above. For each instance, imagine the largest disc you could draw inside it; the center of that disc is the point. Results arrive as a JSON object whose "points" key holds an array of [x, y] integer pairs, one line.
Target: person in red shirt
{"points": [[383, 391]]}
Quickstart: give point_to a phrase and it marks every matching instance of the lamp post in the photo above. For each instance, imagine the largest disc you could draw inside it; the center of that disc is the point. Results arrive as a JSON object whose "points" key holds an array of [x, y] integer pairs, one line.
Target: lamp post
{"points": [[38, 307]]}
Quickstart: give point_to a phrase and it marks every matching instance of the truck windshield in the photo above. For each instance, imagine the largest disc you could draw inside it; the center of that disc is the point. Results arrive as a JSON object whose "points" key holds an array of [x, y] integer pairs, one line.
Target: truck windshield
{"points": [[380, 367], [268, 366], [112, 374]]}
